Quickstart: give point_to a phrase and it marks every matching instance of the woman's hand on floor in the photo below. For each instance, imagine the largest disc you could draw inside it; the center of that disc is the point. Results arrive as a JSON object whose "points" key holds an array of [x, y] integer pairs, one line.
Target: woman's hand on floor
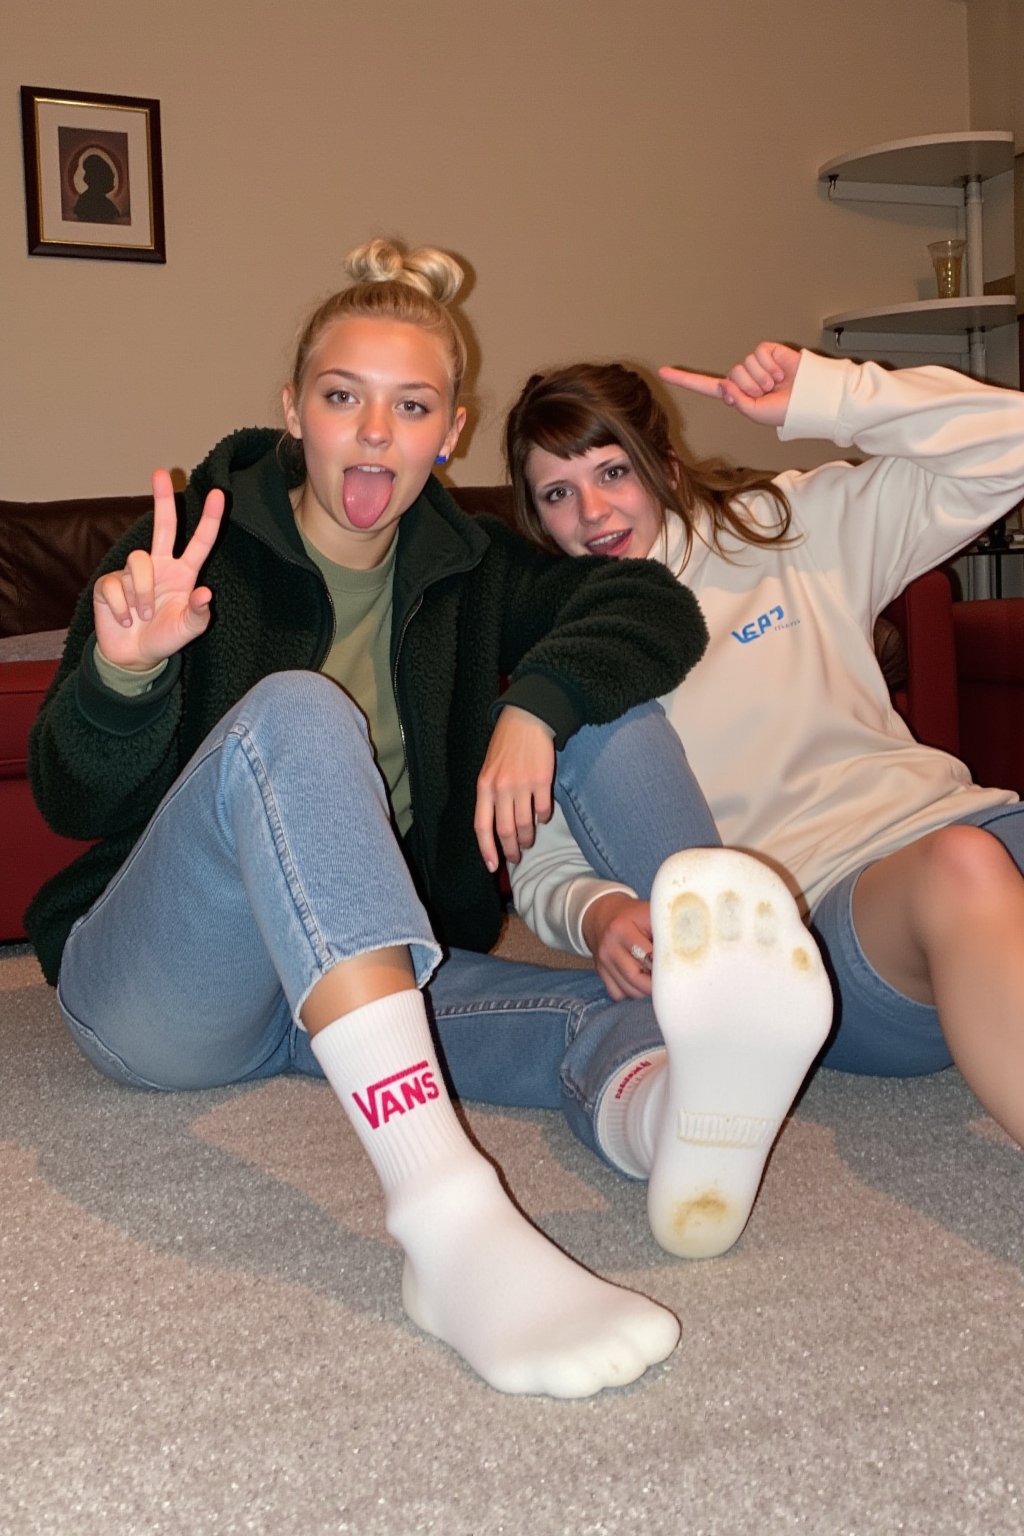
{"points": [[153, 607], [759, 387]]}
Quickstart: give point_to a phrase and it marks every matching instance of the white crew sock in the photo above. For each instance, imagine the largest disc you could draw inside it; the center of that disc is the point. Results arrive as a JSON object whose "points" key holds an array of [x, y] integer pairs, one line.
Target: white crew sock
{"points": [[380, 1061], [629, 1113], [477, 1274]]}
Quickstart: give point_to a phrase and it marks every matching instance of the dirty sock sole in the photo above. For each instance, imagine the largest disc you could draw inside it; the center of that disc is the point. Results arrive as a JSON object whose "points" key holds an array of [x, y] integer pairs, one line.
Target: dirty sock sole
{"points": [[744, 1004]]}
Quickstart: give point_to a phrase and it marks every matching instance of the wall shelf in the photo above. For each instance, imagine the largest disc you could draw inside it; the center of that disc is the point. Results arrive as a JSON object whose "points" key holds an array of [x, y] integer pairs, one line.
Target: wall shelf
{"points": [[946, 169], [938, 160], [929, 317]]}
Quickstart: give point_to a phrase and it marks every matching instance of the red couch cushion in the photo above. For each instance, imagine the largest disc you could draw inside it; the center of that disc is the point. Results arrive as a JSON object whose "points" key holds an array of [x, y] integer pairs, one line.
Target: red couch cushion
{"points": [[923, 614], [24, 687], [33, 851], [990, 663]]}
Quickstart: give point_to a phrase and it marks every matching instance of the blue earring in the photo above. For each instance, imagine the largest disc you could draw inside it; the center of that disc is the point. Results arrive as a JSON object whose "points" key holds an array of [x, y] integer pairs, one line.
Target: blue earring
{"points": [[442, 458]]}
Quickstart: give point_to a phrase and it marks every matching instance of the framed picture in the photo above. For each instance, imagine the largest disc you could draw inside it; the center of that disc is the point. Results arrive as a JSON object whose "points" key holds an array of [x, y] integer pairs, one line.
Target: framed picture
{"points": [[93, 179]]}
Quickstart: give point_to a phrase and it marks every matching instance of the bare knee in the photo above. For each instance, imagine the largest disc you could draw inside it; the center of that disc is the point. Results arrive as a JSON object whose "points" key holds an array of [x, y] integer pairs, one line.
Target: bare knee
{"points": [[964, 853], [934, 900], [965, 868]]}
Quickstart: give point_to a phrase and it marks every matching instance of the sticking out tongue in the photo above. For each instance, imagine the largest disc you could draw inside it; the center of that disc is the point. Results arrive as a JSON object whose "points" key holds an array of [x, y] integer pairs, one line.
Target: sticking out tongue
{"points": [[366, 494]]}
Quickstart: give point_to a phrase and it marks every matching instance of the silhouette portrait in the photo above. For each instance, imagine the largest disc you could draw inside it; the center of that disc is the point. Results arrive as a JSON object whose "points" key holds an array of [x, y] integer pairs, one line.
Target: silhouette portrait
{"points": [[94, 176]]}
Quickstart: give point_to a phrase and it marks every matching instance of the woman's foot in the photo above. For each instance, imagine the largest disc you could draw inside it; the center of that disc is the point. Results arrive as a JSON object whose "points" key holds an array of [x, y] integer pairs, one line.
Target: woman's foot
{"points": [[744, 1003], [527, 1318], [477, 1274]]}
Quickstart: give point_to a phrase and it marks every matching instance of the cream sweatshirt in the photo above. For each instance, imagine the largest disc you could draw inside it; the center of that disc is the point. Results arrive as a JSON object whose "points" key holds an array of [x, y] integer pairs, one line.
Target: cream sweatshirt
{"points": [[786, 720]]}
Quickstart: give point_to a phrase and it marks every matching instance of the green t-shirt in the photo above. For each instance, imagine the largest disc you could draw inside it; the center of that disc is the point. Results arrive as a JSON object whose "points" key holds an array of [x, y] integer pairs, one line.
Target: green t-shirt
{"points": [[360, 662]]}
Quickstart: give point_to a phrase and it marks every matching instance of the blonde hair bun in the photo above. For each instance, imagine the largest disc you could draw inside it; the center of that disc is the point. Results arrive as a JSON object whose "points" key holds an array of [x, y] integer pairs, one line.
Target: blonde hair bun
{"points": [[426, 268], [390, 282]]}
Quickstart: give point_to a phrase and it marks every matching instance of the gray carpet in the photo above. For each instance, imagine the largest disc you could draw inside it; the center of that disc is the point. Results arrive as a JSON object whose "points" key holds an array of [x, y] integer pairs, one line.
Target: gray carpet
{"points": [[200, 1328]]}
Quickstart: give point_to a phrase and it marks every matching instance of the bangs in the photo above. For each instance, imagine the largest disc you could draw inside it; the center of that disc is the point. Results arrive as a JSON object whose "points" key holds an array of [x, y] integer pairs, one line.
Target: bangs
{"points": [[568, 429]]}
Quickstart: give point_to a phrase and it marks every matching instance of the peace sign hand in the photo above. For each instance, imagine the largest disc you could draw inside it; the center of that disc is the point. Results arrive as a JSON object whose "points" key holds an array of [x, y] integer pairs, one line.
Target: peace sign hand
{"points": [[759, 387], [152, 608]]}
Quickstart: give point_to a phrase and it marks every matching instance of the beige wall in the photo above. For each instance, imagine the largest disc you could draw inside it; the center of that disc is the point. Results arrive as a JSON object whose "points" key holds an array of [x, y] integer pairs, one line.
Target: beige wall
{"points": [[625, 179], [995, 34]]}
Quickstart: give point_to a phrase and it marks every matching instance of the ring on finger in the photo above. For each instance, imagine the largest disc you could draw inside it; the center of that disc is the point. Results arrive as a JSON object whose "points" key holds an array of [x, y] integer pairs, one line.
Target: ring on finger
{"points": [[640, 954]]}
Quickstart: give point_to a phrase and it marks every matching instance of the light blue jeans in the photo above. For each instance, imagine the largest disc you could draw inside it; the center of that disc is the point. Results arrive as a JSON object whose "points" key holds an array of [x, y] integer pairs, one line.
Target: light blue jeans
{"points": [[273, 857]]}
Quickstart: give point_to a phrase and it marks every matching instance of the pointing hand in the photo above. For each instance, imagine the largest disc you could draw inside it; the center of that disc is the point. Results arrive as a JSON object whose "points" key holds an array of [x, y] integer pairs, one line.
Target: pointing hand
{"points": [[759, 387]]}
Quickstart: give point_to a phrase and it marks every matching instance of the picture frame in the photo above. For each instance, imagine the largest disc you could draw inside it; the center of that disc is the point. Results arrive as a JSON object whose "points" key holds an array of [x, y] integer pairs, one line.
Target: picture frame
{"points": [[93, 175]]}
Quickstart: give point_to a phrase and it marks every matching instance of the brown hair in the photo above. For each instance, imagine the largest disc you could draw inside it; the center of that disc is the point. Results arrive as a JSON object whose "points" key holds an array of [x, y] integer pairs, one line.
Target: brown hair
{"points": [[570, 410], [390, 282]]}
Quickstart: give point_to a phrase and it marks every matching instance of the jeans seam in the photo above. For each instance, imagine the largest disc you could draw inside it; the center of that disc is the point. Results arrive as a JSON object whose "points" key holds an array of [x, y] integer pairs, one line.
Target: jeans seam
{"points": [[573, 1013], [285, 858], [568, 796], [510, 1005]]}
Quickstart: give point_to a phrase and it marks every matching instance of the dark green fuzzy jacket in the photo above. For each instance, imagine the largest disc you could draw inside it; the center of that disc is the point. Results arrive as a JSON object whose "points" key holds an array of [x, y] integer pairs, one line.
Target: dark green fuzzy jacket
{"points": [[580, 641]]}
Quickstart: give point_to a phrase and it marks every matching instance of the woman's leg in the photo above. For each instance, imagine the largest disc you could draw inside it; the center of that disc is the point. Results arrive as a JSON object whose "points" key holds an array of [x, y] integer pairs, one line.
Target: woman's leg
{"points": [[193, 967], [630, 798], [942, 922], [269, 888]]}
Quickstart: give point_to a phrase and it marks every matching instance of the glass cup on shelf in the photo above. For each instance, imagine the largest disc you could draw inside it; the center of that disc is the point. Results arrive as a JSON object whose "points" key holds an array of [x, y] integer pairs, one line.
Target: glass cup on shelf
{"points": [[948, 261]]}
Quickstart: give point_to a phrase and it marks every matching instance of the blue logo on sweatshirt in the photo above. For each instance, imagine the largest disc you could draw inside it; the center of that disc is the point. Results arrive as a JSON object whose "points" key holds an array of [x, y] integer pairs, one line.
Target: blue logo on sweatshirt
{"points": [[757, 627]]}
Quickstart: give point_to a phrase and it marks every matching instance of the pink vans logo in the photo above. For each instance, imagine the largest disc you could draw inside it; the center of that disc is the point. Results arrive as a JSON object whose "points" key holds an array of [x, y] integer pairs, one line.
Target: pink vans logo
{"points": [[396, 1094]]}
